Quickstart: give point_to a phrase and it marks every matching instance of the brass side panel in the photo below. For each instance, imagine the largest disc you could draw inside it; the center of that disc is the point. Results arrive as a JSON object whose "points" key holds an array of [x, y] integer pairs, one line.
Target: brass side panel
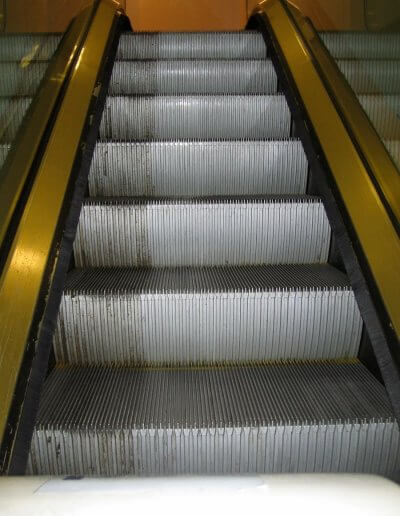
{"points": [[18, 164], [24, 271], [376, 233]]}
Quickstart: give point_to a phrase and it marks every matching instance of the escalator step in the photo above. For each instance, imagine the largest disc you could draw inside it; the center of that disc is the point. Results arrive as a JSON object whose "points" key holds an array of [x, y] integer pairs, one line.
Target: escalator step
{"points": [[218, 231], [21, 81], [25, 48], [192, 45], [12, 112], [178, 169], [374, 76], [193, 77], [282, 417], [184, 316], [195, 117], [362, 45], [383, 110]]}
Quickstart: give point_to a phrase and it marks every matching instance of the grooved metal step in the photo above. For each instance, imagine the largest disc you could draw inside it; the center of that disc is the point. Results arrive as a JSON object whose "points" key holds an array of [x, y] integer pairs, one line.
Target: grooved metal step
{"points": [[192, 45], [12, 111], [193, 77], [209, 315], [135, 232], [26, 48], [178, 169], [195, 117], [21, 81], [373, 76], [362, 45], [307, 417], [384, 112]]}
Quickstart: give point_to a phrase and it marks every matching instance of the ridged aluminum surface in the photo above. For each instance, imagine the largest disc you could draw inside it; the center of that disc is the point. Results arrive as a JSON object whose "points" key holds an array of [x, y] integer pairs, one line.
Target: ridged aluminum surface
{"points": [[179, 168], [192, 45], [195, 117], [12, 112], [362, 45], [126, 232], [308, 417], [373, 76], [18, 80], [25, 48], [383, 110], [206, 316], [193, 77]]}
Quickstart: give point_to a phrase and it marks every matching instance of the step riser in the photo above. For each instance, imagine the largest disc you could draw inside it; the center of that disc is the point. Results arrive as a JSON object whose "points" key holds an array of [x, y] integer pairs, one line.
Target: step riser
{"points": [[192, 77], [382, 77], [210, 45], [12, 111], [201, 234], [358, 45], [20, 81], [183, 329], [368, 448], [383, 112], [176, 169], [195, 118], [26, 48]]}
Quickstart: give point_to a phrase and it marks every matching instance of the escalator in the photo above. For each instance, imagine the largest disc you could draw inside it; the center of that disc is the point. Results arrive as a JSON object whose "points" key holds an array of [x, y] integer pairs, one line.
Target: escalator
{"points": [[370, 63], [208, 322]]}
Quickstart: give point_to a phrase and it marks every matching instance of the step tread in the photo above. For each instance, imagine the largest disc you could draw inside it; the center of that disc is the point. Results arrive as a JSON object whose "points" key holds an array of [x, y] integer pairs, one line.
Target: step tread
{"points": [[274, 394], [255, 278]]}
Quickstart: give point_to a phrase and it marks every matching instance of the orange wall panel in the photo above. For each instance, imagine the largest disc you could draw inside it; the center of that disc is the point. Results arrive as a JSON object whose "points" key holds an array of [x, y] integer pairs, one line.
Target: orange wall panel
{"points": [[42, 15], [186, 15]]}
